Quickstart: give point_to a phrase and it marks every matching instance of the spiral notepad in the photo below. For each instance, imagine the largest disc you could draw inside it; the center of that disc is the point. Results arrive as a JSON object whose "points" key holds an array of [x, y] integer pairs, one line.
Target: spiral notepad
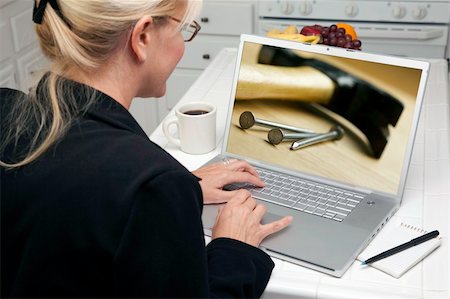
{"points": [[396, 265]]}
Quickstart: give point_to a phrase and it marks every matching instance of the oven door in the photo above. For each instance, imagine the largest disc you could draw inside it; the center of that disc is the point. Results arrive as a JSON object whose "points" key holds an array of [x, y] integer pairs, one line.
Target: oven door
{"points": [[414, 40]]}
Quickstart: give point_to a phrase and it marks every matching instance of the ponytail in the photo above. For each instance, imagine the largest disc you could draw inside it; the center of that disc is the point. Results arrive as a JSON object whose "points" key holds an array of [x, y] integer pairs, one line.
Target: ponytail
{"points": [[80, 35]]}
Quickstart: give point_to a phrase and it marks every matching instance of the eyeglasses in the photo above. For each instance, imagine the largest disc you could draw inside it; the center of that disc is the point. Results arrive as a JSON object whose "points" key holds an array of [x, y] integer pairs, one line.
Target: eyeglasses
{"points": [[188, 31]]}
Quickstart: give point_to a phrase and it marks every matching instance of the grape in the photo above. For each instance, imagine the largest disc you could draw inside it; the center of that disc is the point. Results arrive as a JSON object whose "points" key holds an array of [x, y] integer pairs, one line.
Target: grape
{"points": [[334, 36], [347, 45], [356, 44]]}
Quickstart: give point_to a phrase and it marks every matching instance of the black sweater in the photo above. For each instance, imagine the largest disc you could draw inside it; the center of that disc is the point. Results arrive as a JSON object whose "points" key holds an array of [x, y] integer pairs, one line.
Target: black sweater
{"points": [[105, 212]]}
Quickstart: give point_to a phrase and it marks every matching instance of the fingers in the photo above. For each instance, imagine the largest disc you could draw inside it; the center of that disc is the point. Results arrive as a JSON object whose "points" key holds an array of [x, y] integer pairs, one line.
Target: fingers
{"points": [[244, 198], [222, 196], [241, 165], [243, 172], [273, 227], [237, 171], [238, 176], [239, 197], [240, 219], [276, 226], [250, 203], [259, 211]]}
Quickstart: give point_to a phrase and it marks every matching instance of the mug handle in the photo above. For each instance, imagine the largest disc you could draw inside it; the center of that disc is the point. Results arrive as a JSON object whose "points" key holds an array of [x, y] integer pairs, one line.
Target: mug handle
{"points": [[166, 125]]}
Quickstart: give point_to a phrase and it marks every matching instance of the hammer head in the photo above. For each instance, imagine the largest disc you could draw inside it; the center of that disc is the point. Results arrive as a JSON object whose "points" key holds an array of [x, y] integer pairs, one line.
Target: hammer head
{"points": [[368, 107]]}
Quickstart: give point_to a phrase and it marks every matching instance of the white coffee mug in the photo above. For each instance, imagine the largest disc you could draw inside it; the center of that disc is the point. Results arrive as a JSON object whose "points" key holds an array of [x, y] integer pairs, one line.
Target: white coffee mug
{"points": [[196, 126]]}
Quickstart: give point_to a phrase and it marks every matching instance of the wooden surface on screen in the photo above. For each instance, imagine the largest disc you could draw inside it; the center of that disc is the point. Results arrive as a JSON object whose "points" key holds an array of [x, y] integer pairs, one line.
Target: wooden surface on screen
{"points": [[348, 159]]}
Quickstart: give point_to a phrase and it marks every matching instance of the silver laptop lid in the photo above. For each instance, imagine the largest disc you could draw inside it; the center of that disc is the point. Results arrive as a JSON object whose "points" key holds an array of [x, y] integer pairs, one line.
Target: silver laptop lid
{"points": [[375, 99]]}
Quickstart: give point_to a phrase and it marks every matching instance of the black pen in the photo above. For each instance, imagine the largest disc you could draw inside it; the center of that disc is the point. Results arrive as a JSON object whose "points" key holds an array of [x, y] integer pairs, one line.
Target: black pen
{"points": [[402, 247]]}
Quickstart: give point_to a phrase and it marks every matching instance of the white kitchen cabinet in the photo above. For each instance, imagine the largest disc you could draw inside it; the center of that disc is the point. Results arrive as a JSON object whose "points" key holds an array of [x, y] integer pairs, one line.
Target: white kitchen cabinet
{"points": [[20, 56], [4, 2], [20, 27], [6, 46], [8, 76], [145, 111], [222, 23], [203, 49]]}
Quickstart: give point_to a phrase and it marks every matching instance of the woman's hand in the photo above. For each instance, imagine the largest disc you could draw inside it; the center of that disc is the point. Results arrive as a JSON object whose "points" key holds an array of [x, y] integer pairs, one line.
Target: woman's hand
{"points": [[240, 219], [216, 176]]}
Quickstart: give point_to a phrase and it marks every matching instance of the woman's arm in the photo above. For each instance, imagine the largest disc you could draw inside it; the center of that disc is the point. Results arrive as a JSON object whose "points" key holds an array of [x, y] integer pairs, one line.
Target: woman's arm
{"points": [[162, 251]]}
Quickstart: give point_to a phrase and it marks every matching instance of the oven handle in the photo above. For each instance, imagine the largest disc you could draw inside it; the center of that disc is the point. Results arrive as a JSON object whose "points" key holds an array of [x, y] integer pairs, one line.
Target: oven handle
{"points": [[400, 34]]}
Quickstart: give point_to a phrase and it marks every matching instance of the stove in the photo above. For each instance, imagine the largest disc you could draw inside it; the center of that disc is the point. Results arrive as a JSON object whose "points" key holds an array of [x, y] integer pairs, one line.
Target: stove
{"points": [[402, 28]]}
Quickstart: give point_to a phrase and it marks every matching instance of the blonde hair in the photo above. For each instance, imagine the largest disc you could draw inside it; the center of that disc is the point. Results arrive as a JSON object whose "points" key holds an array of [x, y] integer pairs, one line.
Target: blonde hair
{"points": [[86, 37]]}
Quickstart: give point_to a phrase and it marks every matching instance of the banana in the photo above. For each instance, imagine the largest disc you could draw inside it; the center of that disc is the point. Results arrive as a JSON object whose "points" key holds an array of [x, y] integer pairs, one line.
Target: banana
{"points": [[291, 29], [275, 33], [313, 39]]}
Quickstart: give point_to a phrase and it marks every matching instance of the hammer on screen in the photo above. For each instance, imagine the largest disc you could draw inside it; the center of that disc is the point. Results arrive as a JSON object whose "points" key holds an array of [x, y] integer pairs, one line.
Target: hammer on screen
{"points": [[282, 74]]}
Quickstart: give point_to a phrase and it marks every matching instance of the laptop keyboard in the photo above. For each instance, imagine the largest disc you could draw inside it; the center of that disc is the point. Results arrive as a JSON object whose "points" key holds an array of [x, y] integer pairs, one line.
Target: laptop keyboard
{"points": [[289, 191]]}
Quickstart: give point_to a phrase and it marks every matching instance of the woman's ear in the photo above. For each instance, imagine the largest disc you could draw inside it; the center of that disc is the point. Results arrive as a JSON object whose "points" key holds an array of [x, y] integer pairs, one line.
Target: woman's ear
{"points": [[140, 38]]}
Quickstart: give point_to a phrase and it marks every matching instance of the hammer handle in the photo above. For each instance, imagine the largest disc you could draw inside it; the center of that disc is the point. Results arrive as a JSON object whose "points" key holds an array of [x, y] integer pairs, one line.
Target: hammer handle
{"points": [[260, 81]]}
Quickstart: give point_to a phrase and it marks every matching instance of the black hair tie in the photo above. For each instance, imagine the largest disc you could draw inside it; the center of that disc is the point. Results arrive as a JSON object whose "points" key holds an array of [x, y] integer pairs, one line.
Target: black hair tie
{"points": [[39, 11]]}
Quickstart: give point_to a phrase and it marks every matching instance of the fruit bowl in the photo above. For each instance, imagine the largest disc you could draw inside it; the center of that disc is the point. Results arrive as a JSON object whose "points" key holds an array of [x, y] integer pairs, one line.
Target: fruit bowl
{"points": [[337, 35]]}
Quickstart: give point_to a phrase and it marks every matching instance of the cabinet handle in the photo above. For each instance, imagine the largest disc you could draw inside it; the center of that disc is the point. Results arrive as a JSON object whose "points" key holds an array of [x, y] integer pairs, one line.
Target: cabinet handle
{"points": [[206, 56], [204, 20]]}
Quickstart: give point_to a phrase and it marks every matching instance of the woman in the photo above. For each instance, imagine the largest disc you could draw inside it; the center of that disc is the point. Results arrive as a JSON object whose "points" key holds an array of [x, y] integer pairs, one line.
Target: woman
{"points": [[90, 206]]}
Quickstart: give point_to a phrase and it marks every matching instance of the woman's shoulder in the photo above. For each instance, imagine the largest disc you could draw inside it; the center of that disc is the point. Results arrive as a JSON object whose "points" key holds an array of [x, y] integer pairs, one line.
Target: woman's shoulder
{"points": [[116, 150], [8, 93], [8, 97]]}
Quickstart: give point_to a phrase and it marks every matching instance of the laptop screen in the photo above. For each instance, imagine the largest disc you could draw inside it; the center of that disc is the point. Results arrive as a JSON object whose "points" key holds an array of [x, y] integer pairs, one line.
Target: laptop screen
{"points": [[344, 119]]}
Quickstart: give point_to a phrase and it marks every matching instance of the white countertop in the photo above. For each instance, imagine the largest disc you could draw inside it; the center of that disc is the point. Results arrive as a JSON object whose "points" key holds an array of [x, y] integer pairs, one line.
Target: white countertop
{"points": [[426, 201]]}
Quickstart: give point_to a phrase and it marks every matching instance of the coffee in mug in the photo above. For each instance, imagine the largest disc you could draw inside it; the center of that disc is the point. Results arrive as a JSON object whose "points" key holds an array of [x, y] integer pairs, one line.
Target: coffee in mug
{"points": [[196, 112], [196, 126]]}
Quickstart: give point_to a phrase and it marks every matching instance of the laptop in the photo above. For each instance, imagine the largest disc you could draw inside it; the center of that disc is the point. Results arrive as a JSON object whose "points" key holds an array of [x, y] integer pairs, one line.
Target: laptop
{"points": [[330, 131]]}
